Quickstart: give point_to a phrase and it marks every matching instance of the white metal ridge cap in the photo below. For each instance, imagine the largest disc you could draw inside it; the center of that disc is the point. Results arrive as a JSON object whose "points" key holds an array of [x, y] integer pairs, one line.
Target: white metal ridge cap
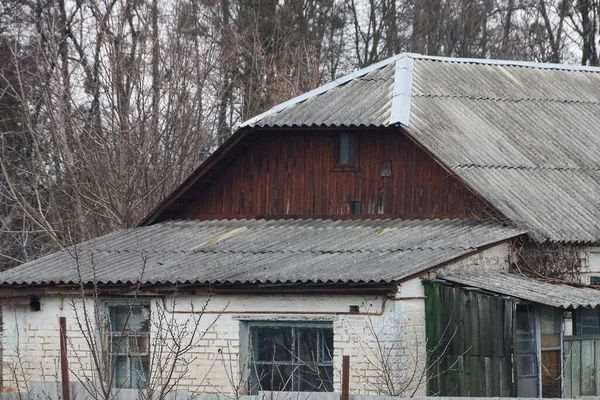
{"points": [[402, 92], [514, 63], [323, 89]]}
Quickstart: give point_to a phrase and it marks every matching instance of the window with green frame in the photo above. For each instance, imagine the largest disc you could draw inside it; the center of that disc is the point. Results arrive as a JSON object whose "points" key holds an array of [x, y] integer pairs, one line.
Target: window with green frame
{"points": [[290, 357], [128, 339]]}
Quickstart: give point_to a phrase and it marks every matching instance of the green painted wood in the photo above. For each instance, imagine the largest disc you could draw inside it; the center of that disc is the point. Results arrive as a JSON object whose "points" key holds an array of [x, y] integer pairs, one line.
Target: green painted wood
{"points": [[596, 370], [568, 375], [454, 384], [506, 373], [472, 316], [477, 362], [576, 369], [588, 384]]}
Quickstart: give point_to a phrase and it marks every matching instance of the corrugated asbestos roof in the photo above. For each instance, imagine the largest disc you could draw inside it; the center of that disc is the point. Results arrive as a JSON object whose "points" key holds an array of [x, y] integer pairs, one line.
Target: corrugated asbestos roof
{"points": [[525, 136], [526, 139], [251, 251], [521, 287]]}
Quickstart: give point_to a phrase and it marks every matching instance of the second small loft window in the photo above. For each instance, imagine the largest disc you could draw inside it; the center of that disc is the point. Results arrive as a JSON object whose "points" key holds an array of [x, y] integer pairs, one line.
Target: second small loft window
{"points": [[346, 149]]}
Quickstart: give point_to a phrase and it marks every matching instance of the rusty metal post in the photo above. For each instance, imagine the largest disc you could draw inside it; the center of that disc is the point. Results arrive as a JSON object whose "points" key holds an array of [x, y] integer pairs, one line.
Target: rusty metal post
{"points": [[64, 363], [345, 378]]}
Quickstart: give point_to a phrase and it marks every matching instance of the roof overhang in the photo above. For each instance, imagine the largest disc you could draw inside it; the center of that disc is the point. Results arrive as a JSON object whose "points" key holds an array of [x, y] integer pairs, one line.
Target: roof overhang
{"points": [[559, 295], [261, 254]]}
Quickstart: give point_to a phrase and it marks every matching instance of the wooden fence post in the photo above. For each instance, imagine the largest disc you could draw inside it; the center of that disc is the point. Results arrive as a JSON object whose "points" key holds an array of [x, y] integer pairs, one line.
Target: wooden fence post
{"points": [[64, 363], [345, 378]]}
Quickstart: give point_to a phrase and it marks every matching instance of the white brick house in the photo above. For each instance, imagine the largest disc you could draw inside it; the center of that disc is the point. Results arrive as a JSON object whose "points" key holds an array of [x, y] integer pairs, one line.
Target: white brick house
{"points": [[348, 313], [314, 229]]}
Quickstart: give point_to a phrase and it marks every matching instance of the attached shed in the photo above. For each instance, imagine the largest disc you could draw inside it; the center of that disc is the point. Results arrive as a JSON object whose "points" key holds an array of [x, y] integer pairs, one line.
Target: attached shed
{"points": [[510, 335]]}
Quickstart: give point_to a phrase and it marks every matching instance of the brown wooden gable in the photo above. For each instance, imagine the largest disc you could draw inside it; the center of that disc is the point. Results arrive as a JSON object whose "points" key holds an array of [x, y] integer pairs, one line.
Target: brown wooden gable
{"points": [[293, 173]]}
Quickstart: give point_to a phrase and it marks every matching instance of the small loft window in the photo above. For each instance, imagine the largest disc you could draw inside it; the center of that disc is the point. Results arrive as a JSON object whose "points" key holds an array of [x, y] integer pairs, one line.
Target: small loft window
{"points": [[346, 149]]}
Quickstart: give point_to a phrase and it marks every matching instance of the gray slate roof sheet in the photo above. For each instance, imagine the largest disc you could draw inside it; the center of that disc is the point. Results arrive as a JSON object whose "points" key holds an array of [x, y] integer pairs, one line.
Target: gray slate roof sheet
{"points": [[521, 287], [526, 139], [525, 136], [251, 251]]}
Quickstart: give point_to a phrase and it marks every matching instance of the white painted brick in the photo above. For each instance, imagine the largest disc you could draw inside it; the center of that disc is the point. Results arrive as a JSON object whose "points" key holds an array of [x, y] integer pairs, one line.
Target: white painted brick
{"points": [[401, 326]]}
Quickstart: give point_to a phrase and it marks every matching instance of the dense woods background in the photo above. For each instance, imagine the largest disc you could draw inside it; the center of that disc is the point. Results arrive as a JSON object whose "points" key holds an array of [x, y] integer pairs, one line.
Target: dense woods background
{"points": [[106, 105]]}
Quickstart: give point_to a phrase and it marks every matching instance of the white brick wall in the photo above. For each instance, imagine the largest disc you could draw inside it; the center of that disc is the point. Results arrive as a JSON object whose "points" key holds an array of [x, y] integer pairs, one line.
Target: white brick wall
{"points": [[213, 364], [590, 263], [492, 259], [31, 343]]}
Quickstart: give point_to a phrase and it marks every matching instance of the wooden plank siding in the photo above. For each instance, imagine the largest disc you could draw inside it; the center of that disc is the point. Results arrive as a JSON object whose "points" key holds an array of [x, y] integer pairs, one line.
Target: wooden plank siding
{"points": [[581, 356], [294, 174], [469, 342]]}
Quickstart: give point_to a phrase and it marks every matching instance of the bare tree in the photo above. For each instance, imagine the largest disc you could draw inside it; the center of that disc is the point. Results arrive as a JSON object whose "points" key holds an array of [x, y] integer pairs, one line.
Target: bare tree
{"points": [[112, 108]]}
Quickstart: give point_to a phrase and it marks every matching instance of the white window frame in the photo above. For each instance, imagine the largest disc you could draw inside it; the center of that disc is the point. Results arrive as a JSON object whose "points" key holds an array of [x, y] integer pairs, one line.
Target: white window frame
{"points": [[118, 344]]}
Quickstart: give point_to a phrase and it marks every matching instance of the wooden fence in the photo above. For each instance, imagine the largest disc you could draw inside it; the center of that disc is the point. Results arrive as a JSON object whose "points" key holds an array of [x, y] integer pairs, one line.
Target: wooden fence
{"points": [[581, 356]]}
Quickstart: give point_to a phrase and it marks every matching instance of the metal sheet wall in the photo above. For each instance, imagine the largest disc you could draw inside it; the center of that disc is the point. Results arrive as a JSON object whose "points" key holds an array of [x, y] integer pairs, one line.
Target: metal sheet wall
{"points": [[294, 174]]}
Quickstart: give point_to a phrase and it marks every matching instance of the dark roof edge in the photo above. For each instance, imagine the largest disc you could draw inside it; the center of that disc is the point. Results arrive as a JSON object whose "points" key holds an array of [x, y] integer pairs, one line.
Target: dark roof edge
{"points": [[157, 289]]}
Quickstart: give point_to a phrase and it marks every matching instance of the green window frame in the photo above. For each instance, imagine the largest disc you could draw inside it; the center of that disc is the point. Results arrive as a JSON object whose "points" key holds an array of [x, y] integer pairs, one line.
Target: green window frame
{"points": [[290, 356]]}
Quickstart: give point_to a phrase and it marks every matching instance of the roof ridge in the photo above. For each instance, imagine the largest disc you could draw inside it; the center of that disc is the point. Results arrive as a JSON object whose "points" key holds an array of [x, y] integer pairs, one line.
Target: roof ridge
{"points": [[359, 222], [526, 168], [317, 251], [513, 100], [508, 63]]}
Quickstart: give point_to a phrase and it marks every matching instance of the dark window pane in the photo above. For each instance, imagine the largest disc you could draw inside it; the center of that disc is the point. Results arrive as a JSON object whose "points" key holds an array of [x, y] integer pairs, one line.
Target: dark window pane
{"points": [[589, 321], [118, 317], [119, 345], [275, 377], [326, 376], [292, 358], [525, 331], [346, 148], [307, 345], [315, 379], [526, 343], [326, 344], [272, 343], [527, 365], [129, 318], [120, 372], [140, 372]]}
